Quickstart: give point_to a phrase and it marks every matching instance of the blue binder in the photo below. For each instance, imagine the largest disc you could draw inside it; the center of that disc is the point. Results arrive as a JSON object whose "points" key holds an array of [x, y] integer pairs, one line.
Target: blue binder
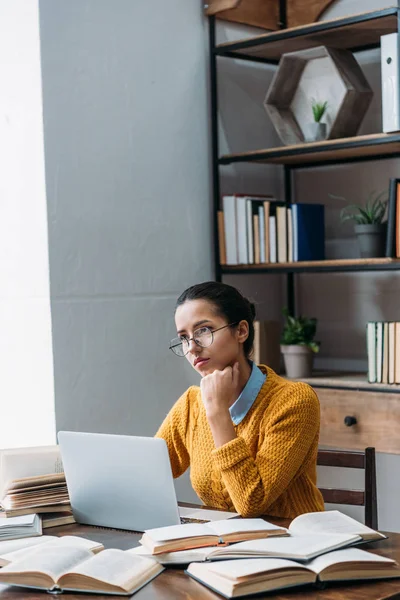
{"points": [[308, 231]]}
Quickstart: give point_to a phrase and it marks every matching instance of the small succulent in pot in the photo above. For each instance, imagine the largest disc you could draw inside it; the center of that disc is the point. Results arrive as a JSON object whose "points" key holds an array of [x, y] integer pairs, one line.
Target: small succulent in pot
{"points": [[370, 226], [316, 131]]}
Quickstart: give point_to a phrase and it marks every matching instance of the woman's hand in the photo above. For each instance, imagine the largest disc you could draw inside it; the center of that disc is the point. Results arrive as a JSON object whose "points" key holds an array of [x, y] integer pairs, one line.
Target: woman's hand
{"points": [[220, 390]]}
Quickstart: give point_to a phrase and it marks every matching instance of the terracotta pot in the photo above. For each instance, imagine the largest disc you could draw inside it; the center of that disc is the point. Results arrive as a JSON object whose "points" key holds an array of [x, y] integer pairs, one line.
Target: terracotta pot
{"points": [[298, 361]]}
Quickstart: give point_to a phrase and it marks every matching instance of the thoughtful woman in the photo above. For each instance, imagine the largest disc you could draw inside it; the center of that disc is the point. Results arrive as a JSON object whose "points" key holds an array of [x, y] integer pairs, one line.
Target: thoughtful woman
{"points": [[249, 436]]}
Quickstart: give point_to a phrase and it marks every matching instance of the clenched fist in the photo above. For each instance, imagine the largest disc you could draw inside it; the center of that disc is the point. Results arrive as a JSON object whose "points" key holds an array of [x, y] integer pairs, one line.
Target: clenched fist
{"points": [[220, 390]]}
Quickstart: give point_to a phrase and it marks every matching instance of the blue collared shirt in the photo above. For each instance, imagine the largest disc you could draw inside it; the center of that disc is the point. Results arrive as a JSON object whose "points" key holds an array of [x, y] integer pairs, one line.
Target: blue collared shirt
{"points": [[247, 398]]}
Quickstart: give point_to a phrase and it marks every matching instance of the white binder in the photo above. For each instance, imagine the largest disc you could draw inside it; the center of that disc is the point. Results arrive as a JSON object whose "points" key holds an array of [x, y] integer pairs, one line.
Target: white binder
{"points": [[390, 83]]}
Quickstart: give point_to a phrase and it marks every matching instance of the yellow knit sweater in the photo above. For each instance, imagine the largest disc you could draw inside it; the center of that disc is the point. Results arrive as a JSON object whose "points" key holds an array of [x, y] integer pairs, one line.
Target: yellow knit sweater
{"points": [[270, 468]]}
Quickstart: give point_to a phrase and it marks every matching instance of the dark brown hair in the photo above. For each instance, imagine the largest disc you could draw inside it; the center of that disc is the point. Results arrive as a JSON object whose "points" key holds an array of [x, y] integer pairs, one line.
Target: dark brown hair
{"points": [[228, 302]]}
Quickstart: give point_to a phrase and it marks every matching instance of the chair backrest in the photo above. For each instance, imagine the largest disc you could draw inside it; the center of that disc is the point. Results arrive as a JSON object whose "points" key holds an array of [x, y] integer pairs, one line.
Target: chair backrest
{"points": [[354, 460]]}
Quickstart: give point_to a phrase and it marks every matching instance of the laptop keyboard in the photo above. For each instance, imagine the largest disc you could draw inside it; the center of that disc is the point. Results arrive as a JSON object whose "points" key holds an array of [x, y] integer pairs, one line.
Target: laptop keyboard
{"points": [[188, 520]]}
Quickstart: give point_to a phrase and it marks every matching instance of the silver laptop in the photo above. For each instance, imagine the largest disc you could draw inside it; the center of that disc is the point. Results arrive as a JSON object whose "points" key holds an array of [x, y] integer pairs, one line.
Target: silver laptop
{"points": [[119, 481]]}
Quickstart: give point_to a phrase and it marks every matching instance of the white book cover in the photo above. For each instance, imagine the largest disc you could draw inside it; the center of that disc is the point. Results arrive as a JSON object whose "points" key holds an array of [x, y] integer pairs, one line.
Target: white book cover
{"points": [[390, 82], [379, 351], [281, 233], [289, 235], [371, 350], [295, 233], [272, 239], [250, 236], [229, 208], [262, 234], [241, 223]]}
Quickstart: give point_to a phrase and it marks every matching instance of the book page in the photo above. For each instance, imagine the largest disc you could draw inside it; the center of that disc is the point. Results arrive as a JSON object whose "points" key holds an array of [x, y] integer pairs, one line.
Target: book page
{"points": [[179, 557], [177, 532], [205, 514], [299, 547], [236, 569], [44, 559], [55, 543], [224, 527], [27, 462], [330, 521], [8, 546], [346, 555], [115, 567]]}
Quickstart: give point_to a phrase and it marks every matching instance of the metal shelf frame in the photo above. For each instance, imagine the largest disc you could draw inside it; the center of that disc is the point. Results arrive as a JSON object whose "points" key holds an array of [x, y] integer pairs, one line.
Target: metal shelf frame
{"points": [[231, 51]]}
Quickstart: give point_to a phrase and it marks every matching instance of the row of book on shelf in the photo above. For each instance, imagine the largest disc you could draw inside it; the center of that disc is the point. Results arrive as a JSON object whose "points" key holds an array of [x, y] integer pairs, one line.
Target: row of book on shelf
{"points": [[259, 230], [383, 349]]}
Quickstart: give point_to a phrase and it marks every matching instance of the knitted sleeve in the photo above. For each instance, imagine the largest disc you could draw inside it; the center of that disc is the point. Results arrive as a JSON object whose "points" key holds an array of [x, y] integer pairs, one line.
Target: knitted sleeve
{"points": [[173, 430], [287, 433]]}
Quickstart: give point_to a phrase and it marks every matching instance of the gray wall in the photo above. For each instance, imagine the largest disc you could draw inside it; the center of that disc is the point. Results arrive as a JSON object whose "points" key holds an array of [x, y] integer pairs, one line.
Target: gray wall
{"points": [[127, 172]]}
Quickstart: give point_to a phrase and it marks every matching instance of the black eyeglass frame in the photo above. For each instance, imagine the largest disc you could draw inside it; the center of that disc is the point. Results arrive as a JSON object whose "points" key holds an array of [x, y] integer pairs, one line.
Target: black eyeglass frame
{"points": [[212, 331]]}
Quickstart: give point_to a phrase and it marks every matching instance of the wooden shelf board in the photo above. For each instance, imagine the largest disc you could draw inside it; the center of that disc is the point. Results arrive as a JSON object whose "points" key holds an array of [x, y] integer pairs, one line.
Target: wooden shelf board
{"points": [[363, 146], [344, 264], [353, 32], [356, 381]]}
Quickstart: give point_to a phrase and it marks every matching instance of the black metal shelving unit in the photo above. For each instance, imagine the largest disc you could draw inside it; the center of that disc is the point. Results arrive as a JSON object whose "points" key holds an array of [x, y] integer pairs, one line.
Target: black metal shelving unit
{"points": [[362, 32]]}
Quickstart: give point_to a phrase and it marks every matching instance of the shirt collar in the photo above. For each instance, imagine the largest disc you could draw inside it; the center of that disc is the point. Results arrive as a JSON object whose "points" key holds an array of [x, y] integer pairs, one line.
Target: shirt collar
{"points": [[241, 407]]}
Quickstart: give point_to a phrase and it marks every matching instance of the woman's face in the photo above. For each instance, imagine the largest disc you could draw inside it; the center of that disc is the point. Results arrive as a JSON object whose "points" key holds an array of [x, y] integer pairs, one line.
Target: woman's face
{"points": [[227, 346]]}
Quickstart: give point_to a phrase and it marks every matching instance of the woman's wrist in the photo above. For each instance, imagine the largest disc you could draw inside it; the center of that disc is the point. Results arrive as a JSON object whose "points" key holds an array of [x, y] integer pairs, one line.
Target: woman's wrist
{"points": [[222, 428]]}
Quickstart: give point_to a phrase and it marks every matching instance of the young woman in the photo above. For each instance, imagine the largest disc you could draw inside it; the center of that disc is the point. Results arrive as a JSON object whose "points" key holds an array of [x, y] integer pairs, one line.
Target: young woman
{"points": [[249, 436]]}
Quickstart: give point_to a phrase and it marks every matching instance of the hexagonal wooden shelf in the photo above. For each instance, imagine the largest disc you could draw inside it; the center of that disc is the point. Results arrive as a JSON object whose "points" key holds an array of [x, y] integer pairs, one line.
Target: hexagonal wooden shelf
{"points": [[323, 74]]}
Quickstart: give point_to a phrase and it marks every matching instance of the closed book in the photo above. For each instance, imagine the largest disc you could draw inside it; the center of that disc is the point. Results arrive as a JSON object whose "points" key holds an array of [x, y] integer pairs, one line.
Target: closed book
{"points": [[261, 224], [391, 352], [256, 230], [267, 344], [221, 238], [281, 234], [308, 222], [391, 219], [397, 353], [385, 354], [371, 351], [229, 208], [379, 351], [272, 239], [266, 226], [241, 226], [289, 235], [398, 221], [20, 527]]}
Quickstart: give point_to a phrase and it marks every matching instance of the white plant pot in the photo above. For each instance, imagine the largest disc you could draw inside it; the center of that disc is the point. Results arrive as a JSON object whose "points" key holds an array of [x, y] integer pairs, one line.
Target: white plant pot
{"points": [[315, 132], [298, 361]]}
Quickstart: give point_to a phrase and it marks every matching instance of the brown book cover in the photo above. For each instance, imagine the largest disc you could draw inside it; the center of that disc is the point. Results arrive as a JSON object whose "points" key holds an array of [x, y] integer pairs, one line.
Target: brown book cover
{"points": [[267, 344], [221, 238]]}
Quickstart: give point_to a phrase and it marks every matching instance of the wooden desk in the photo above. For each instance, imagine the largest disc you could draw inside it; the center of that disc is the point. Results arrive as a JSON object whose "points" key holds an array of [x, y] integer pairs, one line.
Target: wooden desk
{"points": [[173, 584]]}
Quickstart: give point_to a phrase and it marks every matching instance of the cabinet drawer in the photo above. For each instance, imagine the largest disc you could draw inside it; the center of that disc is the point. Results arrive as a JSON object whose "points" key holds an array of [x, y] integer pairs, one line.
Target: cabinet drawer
{"points": [[377, 415]]}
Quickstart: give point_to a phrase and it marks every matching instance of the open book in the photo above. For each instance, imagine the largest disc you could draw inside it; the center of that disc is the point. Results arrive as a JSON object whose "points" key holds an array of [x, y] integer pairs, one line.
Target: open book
{"points": [[332, 521], [298, 547], [196, 535], [77, 569], [38, 494], [13, 550], [234, 579]]}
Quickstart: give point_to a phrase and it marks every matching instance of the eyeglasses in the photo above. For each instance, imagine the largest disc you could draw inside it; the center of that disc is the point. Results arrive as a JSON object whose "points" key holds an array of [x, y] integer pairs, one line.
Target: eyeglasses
{"points": [[203, 337]]}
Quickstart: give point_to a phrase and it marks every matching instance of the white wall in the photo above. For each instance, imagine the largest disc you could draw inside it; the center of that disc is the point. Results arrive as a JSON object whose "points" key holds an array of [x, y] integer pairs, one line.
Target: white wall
{"points": [[127, 170], [343, 303], [26, 382]]}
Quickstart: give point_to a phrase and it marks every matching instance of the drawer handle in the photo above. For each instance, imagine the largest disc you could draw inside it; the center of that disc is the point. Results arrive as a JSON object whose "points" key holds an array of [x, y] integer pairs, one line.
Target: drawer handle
{"points": [[349, 421]]}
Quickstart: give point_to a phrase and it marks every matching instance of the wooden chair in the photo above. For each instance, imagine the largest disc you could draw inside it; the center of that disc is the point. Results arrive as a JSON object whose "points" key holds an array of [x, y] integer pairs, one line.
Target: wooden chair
{"points": [[354, 460]]}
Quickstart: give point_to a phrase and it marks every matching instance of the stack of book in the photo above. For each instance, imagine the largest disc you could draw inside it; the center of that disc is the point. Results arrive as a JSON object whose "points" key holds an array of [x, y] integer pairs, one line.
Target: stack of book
{"points": [[310, 550], [383, 348], [260, 230], [44, 494]]}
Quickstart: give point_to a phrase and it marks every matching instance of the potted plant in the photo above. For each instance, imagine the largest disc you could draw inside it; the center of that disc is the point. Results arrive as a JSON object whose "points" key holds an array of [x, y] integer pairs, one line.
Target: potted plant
{"points": [[298, 345], [369, 227], [316, 131]]}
